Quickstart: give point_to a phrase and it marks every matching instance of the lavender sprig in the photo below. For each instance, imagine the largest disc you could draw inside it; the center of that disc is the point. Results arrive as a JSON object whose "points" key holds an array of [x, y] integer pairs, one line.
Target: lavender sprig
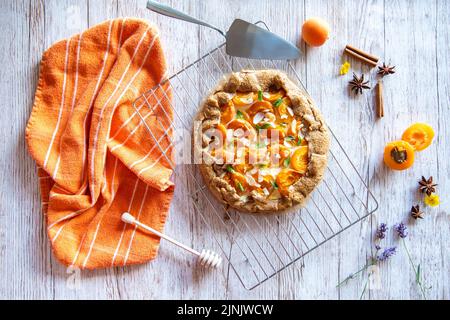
{"points": [[370, 262], [416, 270], [381, 231], [401, 230]]}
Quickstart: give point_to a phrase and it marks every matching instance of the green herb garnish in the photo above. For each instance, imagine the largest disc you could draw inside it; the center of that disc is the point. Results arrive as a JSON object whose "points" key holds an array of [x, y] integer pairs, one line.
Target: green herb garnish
{"points": [[239, 115], [300, 140], [261, 145], [264, 126], [260, 95], [240, 186], [230, 169], [277, 103], [289, 138], [274, 185], [287, 162]]}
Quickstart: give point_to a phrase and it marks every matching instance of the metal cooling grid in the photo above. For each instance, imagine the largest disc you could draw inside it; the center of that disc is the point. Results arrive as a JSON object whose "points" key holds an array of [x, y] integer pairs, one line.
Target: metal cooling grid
{"points": [[256, 247]]}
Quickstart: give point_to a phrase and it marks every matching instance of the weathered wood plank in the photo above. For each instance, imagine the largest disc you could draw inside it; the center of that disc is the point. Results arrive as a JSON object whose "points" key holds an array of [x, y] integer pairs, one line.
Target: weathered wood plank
{"points": [[410, 96], [25, 266]]}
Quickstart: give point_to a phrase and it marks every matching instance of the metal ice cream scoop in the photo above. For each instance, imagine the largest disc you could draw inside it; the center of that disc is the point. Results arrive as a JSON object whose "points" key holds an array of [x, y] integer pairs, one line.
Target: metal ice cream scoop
{"points": [[243, 39]]}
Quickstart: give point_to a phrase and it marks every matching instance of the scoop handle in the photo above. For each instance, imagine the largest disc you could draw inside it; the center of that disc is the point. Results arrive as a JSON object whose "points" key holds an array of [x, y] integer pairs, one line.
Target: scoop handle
{"points": [[170, 12]]}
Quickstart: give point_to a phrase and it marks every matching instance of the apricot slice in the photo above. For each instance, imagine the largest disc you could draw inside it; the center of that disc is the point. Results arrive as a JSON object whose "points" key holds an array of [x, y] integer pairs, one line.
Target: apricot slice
{"points": [[299, 160], [240, 124], [240, 181], [278, 153], [243, 99], [260, 106], [240, 114], [284, 109], [273, 96], [223, 131], [227, 113], [315, 31], [286, 178], [267, 182], [399, 155], [419, 136]]}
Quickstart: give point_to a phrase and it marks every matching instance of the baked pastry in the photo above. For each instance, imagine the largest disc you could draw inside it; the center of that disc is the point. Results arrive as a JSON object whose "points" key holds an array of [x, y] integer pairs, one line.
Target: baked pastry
{"points": [[260, 142]]}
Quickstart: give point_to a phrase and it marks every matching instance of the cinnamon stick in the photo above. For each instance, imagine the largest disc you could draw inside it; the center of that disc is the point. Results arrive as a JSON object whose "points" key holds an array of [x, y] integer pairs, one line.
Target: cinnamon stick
{"points": [[361, 55], [380, 101]]}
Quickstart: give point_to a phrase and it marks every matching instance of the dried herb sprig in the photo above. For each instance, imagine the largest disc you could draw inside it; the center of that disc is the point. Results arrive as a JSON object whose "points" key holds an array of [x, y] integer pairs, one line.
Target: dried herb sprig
{"points": [[358, 84]]}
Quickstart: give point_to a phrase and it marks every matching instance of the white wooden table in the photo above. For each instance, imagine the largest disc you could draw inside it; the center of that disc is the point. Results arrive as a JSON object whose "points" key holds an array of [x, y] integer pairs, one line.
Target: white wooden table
{"points": [[413, 35]]}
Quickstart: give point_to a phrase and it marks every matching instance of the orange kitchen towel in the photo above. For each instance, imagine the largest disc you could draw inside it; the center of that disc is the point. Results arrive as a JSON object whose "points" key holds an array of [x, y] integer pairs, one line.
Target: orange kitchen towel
{"points": [[96, 158]]}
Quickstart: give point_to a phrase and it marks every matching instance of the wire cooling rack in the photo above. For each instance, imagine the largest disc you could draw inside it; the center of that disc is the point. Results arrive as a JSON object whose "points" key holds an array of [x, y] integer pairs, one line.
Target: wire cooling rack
{"points": [[256, 247]]}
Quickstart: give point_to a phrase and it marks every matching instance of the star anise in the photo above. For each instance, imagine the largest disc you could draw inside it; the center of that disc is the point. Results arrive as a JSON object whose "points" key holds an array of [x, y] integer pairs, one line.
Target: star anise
{"points": [[386, 70], [358, 84], [427, 186], [416, 213]]}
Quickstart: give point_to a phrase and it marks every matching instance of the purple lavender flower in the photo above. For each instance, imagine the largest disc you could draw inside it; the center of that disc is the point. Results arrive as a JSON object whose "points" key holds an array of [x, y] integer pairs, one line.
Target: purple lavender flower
{"points": [[386, 254], [401, 230], [381, 231], [377, 247]]}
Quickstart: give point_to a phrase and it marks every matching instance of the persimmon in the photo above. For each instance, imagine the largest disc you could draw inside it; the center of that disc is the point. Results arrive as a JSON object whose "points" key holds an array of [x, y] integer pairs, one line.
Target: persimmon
{"points": [[399, 155], [419, 136], [227, 113], [299, 160], [315, 31], [286, 178]]}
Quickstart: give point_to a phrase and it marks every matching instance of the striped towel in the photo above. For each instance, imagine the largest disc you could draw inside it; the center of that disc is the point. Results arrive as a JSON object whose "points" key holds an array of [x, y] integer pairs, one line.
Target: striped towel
{"points": [[95, 158]]}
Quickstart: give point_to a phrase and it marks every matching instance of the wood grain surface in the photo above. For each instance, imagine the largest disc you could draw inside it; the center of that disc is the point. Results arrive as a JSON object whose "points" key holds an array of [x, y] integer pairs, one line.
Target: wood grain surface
{"points": [[413, 35]]}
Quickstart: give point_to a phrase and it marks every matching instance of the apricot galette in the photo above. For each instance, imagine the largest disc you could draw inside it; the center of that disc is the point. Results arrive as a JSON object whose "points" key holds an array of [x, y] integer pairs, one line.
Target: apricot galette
{"points": [[263, 144]]}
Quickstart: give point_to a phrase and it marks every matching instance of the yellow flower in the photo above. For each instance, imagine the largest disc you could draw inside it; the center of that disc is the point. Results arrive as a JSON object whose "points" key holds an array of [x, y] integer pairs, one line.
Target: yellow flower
{"points": [[432, 200], [345, 68]]}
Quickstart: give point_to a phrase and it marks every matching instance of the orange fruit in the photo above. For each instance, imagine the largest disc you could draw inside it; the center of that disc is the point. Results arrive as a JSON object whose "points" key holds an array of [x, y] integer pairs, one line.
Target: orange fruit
{"points": [[315, 31], [419, 136], [299, 160], [399, 155]]}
